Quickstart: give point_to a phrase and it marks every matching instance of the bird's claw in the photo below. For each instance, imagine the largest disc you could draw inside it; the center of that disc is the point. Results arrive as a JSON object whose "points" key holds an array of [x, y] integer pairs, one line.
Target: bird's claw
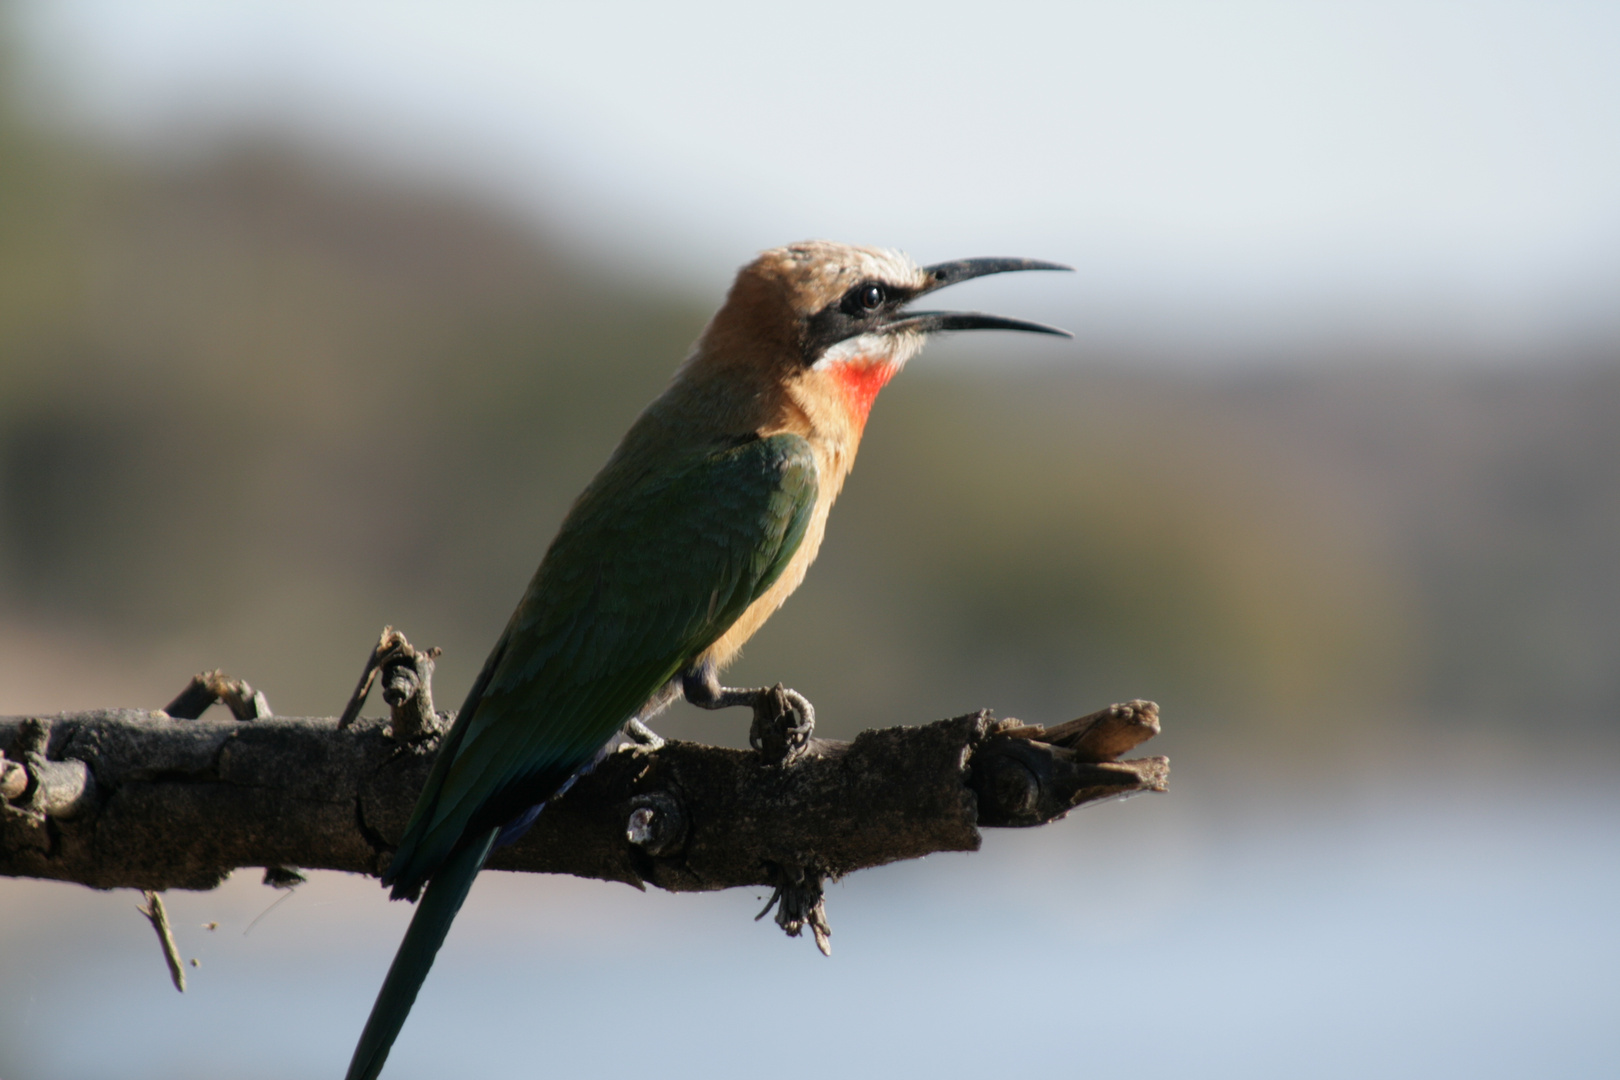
{"points": [[783, 723], [641, 735], [783, 719]]}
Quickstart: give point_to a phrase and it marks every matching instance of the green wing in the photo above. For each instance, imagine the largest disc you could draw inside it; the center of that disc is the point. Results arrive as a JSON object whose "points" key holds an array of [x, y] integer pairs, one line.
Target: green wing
{"points": [[649, 570]]}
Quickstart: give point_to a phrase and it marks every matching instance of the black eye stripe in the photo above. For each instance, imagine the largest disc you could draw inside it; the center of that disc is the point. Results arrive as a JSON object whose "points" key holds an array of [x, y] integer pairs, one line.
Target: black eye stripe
{"points": [[858, 311]]}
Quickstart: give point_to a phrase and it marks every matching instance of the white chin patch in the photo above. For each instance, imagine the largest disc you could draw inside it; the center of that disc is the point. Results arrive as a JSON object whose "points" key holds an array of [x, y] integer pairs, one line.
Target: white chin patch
{"points": [[891, 349]]}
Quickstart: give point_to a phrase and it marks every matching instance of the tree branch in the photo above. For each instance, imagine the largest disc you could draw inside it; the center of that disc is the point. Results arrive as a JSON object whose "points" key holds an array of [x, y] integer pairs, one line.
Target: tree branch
{"points": [[128, 798]]}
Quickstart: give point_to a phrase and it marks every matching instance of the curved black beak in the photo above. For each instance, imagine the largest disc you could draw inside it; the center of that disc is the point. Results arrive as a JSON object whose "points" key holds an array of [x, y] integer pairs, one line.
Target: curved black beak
{"points": [[930, 321], [950, 273]]}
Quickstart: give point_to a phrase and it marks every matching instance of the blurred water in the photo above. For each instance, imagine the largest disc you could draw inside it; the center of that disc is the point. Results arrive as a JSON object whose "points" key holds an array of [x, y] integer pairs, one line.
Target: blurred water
{"points": [[1460, 928]]}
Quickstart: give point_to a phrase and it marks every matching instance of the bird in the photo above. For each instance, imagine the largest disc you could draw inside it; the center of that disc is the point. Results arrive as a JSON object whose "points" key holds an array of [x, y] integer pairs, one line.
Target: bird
{"points": [[701, 523]]}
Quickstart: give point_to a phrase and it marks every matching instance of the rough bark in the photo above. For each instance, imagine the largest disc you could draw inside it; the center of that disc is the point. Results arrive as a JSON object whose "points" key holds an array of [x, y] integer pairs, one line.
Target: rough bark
{"points": [[126, 798]]}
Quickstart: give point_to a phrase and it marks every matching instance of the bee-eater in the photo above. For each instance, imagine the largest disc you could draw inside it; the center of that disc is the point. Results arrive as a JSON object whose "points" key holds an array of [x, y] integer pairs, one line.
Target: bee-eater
{"points": [[698, 527]]}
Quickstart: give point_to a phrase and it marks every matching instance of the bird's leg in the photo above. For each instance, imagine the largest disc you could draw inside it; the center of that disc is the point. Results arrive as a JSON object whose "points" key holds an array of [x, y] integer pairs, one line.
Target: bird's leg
{"points": [[642, 735], [783, 719], [635, 729]]}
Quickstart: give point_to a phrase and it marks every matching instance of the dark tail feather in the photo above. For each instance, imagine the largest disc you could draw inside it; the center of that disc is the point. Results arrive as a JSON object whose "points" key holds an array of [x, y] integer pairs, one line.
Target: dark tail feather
{"points": [[434, 914]]}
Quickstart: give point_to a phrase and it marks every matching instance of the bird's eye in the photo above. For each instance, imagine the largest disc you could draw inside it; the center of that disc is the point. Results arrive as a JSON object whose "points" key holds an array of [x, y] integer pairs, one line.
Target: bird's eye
{"points": [[864, 299]]}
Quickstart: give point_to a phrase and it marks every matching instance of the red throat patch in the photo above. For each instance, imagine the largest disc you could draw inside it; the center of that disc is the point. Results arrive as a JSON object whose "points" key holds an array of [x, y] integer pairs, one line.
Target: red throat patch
{"points": [[860, 380]]}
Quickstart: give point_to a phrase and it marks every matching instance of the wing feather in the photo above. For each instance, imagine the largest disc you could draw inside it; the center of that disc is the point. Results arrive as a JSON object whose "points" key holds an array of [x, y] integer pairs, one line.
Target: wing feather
{"points": [[645, 574]]}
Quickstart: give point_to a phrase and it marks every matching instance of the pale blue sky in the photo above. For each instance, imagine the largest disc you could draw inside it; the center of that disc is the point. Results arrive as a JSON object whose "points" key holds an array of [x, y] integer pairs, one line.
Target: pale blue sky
{"points": [[1242, 170]]}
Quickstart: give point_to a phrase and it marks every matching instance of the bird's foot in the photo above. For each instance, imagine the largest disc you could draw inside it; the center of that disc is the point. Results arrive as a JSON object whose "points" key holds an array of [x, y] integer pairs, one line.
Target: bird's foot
{"points": [[800, 902], [641, 735], [783, 719]]}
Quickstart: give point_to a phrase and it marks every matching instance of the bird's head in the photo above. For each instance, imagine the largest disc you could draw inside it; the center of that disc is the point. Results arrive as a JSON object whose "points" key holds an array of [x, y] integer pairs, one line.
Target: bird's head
{"points": [[834, 322]]}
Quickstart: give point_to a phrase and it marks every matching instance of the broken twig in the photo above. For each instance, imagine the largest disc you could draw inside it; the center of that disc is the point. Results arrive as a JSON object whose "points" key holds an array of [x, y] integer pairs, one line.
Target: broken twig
{"points": [[159, 918]]}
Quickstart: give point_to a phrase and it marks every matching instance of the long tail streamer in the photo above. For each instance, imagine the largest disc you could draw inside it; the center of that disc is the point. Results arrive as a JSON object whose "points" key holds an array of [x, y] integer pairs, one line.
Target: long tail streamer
{"points": [[434, 914]]}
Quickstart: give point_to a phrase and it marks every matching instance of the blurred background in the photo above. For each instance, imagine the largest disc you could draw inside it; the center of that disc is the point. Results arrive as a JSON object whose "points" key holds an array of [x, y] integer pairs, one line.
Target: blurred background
{"points": [[314, 317]]}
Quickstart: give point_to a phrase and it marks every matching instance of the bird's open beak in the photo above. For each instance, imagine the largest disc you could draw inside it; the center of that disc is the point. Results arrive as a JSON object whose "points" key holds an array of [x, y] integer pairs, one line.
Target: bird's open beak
{"points": [[949, 273]]}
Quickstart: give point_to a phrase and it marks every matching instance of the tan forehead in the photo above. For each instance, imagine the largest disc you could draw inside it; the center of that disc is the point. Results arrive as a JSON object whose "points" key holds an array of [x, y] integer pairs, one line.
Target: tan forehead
{"points": [[817, 272]]}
